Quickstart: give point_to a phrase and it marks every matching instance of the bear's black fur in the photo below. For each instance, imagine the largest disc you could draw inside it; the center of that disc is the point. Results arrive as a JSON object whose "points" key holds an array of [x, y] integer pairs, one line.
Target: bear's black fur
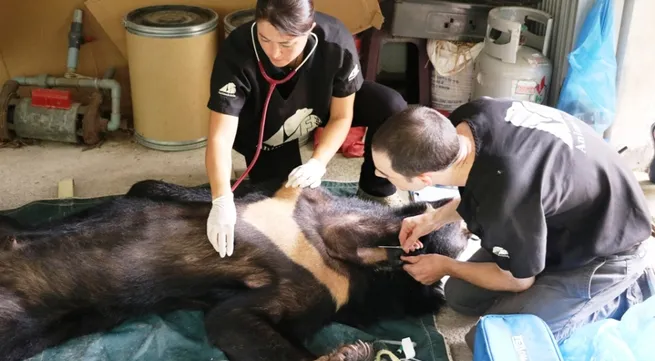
{"points": [[291, 273]]}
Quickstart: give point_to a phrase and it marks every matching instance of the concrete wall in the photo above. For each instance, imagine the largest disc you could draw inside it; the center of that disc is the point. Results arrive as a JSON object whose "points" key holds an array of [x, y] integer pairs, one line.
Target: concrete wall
{"points": [[636, 96], [636, 78]]}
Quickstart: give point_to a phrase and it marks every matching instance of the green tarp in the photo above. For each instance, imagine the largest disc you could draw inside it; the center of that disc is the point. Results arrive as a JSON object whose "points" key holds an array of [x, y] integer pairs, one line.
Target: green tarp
{"points": [[180, 336]]}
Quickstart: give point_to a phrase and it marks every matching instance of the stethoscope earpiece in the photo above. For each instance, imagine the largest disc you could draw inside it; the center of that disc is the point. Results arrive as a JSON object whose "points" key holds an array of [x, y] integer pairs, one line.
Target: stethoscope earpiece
{"points": [[268, 79]]}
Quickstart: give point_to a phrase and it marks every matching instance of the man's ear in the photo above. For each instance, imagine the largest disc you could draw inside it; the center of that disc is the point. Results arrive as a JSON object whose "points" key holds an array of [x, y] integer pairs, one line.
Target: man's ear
{"points": [[313, 26], [425, 178]]}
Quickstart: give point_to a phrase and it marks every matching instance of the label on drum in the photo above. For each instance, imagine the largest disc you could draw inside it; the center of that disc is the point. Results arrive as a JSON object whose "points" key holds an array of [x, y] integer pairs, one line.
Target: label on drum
{"points": [[449, 92]]}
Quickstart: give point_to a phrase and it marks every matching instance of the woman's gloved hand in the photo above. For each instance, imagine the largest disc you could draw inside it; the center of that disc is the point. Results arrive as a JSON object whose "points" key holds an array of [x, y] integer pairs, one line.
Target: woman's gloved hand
{"points": [[307, 175], [220, 224]]}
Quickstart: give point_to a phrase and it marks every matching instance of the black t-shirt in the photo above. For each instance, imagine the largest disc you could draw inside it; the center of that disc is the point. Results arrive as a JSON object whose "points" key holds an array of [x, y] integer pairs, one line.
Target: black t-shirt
{"points": [[297, 107], [545, 191]]}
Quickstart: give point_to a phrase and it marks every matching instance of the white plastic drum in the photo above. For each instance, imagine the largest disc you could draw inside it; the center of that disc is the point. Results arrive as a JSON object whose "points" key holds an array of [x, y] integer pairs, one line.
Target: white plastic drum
{"points": [[452, 78], [171, 51]]}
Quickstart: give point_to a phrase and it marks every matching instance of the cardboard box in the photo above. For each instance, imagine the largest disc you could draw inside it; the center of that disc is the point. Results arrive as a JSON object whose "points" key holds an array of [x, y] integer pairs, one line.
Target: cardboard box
{"points": [[357, 15], [4, 72], [34, 34]]}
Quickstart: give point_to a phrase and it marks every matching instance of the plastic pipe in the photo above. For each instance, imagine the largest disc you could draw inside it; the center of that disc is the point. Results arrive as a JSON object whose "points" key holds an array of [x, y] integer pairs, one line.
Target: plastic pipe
{"points": [[109, 73], [45, 80], [74, 41]]}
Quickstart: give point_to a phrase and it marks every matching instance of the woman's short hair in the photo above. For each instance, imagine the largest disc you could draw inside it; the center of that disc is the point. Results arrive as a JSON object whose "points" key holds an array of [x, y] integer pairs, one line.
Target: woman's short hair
{"points": [[417, 140], [291, 17]]}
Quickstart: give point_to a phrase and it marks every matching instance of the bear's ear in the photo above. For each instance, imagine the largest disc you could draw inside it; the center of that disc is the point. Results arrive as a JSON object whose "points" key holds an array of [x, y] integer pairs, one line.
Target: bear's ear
{"points": [[365, 256], [372, 255], [432, 205]]}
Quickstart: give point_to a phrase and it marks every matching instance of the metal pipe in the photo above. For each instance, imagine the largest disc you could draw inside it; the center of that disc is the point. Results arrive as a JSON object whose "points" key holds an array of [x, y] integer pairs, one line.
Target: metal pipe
{"points": [[74, 41], [45, 80], [109, 73]]}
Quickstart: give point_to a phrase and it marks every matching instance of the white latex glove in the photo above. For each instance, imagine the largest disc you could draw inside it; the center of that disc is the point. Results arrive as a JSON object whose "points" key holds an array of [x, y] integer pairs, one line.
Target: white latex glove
{"points": [[307, 175], [220, 224]]}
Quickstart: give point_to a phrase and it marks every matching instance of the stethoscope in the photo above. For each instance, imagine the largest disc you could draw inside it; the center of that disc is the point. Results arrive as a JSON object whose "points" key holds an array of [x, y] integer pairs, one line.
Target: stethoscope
{"points": [[272, 84]]}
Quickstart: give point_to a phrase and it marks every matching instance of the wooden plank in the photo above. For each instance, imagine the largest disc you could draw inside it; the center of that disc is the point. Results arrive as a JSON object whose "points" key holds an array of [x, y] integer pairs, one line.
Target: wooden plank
{"points": [[66, 188]]}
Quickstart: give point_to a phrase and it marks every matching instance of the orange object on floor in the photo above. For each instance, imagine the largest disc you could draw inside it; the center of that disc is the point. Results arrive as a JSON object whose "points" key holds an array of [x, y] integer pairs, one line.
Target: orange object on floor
{"points": [[352, 147]]}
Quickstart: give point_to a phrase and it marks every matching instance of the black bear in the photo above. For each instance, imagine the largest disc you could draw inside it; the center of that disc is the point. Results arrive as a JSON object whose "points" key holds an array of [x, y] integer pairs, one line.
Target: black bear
{"points": [[302, 258]]}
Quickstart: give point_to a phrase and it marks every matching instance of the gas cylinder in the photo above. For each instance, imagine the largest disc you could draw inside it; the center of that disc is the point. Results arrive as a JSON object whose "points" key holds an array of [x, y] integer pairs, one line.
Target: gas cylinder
{"points": [[514, 61]]}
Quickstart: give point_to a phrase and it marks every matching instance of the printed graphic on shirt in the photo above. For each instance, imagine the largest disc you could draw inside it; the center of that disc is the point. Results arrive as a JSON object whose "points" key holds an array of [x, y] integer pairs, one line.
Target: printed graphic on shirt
{"points": [[353, 73], [500, 252], [228, 90], [501, 257], [547, 119], [295, 127]]}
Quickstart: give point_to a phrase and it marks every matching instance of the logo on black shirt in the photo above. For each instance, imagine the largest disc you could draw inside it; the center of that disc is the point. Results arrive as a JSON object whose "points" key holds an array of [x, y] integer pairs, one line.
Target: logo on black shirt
{"points": [[297, 126], [500, 252], [353, 73], [536, 116], [229, 90]]}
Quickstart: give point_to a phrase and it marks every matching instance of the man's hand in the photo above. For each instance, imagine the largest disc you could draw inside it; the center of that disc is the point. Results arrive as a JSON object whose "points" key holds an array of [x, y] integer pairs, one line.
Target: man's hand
{"points": [[430, 268], [307, 175], [427, 268], [413, 228], [220, 224]]}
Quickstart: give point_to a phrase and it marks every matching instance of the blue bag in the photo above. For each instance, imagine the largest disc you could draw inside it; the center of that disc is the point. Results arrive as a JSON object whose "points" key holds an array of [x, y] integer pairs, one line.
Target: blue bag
{"points": [[589, 89], [519, 337]]}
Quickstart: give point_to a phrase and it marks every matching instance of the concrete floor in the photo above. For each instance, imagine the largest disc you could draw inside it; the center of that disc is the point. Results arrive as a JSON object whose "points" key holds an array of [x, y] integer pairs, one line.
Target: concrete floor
{"points": [[32, 173]]}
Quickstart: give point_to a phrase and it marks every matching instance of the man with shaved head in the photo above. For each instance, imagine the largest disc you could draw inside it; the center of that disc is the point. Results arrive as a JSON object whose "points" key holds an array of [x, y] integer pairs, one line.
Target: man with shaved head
{"points": [[564, 226]]}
